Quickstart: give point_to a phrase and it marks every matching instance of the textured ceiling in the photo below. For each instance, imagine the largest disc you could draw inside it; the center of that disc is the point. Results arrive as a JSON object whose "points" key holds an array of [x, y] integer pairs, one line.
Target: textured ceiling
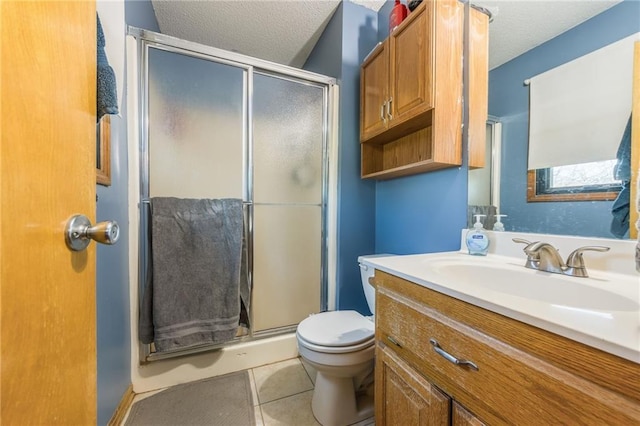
{"points": [[279, 31], [519, 26], [285, 31]]}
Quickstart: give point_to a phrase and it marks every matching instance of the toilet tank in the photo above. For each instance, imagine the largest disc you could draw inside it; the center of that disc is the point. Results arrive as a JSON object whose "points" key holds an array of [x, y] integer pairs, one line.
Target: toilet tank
{"points": [[367, 272]]}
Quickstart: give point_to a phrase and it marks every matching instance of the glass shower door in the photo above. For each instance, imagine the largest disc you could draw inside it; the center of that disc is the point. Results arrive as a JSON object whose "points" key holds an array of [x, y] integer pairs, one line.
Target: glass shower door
{"points": [[197, 121], [196, 144], [217, 125], [288, 197]]}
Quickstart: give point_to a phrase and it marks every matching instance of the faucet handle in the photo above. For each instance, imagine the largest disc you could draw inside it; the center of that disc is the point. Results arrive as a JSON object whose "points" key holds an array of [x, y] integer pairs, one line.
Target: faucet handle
{"points": [[528, 244], [532, 258], [575, 261], [521, 241]]}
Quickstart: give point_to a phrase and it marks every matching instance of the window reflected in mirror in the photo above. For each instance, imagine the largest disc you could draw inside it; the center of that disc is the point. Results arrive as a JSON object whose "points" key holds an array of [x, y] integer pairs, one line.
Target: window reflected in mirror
{"points": [[586, 181]]}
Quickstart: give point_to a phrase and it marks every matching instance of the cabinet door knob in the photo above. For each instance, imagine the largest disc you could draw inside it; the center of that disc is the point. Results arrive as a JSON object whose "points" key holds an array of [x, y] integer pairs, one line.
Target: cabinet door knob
{"points": [[451, 358], [389, 102]]}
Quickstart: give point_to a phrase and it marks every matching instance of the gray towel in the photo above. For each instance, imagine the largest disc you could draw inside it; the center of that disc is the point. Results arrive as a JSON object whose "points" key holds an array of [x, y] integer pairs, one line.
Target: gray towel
{"points": [[193, 296], [106, 96]]}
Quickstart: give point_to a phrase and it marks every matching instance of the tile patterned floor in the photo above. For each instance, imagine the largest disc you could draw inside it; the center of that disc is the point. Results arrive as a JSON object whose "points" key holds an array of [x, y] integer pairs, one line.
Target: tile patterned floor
{"points": [[282, 394]]}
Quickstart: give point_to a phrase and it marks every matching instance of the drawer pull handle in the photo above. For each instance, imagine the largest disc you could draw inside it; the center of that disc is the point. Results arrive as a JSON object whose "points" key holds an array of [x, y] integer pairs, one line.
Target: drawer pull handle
{"points": [[394, 341], [449, 357]]}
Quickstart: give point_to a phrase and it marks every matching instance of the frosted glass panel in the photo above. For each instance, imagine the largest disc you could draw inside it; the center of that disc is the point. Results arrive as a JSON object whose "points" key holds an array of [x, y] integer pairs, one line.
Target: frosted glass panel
{"points": [[286, 265], [287, 141], [195, 127]]}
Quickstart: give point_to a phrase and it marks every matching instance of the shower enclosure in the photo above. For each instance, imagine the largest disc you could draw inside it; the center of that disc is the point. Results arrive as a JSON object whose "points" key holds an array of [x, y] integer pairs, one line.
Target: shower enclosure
{"points": [[215, 124]]}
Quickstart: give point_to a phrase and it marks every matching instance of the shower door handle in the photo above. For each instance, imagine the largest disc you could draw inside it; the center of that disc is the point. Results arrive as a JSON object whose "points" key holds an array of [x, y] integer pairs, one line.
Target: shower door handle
{"points": [[78, 233]]}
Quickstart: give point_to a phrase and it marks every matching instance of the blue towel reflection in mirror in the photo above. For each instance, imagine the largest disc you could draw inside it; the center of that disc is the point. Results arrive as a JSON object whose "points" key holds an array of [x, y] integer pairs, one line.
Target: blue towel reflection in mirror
{"points": [[106, 95], [620, 209]]}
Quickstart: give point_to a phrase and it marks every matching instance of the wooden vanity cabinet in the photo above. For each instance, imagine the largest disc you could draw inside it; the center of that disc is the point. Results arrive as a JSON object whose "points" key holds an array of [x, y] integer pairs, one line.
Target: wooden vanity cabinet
{"points": [[525, 375], [407, 398], [411, 92]]}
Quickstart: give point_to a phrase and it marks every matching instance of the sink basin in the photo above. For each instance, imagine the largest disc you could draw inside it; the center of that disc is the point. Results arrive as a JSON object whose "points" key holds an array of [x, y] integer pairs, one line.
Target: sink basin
{"points": [[555, 289]]}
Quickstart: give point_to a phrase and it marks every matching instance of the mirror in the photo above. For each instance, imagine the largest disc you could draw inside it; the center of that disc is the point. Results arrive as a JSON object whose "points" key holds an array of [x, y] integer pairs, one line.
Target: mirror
{"points": [[576, 29]]}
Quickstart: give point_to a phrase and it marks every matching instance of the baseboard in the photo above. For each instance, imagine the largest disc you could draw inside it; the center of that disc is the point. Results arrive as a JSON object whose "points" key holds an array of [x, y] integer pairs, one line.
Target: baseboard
{"points": [[165, 373], [123, 407]]}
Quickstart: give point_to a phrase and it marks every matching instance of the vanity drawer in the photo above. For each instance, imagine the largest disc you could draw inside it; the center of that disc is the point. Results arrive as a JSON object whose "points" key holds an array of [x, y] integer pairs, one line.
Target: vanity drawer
{"points": [[510, 386]]}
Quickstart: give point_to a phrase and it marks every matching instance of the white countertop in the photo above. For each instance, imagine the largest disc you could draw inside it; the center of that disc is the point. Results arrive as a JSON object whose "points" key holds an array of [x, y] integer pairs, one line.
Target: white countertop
{"points": [[609, 326]]}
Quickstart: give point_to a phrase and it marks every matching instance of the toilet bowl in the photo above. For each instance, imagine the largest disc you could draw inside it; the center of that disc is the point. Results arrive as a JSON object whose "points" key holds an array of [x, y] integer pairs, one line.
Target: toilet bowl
{"points": [[340, 346]]}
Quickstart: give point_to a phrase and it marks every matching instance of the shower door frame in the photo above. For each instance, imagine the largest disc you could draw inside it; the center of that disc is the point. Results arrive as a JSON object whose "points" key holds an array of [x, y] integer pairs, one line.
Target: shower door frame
{"points": [[147, 39]]}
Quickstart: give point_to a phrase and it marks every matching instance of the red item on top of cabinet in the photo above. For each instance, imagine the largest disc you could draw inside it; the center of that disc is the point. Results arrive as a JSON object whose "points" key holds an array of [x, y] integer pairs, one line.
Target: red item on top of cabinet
{"points": [[397, 15]]}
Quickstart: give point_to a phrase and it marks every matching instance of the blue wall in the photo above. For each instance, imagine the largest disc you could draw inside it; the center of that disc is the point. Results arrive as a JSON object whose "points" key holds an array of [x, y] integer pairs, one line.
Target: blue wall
{"points": [[509, 100], [421, 213], [326, 56], [356, 231], [112, 275], [349, 37]]}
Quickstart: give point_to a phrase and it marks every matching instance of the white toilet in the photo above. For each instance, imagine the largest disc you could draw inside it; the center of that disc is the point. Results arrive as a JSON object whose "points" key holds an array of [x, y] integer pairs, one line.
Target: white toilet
{"points": [[340, 346]]}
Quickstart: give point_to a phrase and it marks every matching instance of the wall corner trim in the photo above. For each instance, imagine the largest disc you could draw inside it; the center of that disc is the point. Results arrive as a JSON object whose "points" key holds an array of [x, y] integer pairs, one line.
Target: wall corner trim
{"points": [[123, 408]]}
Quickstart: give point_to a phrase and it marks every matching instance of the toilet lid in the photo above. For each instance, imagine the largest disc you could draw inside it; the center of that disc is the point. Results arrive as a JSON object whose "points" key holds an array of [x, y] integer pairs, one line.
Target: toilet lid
{"points": [[336, 328]]}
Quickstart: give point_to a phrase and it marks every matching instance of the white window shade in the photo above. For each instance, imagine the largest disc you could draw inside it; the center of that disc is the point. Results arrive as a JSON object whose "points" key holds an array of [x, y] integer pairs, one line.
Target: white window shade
{"points": [[579, 110]]}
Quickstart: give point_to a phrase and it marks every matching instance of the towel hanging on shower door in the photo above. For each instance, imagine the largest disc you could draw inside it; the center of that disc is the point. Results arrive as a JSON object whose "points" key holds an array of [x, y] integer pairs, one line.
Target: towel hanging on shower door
{"points": [[193, 296]]}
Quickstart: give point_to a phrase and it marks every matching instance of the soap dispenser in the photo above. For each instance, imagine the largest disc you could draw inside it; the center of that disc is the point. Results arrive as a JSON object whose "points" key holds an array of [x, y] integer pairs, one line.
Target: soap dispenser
{"points": [[499, 226], [477, 239]]}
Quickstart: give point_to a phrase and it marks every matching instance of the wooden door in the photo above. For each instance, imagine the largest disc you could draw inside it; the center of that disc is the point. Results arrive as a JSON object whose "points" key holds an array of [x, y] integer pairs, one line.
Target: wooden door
{"points": [[374, 77], [404, 397], [47, 173], [411, 65]]}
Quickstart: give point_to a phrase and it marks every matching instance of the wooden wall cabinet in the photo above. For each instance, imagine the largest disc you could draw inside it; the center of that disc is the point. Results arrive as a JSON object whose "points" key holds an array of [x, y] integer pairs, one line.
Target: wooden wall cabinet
{"points": [[478, 87], [411, 94], [374, 76], [525, 375]]}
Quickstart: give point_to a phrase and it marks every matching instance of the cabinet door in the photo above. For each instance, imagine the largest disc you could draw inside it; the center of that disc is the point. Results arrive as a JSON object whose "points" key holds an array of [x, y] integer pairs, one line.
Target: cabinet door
{"points": [[404, 397], [374, 76], [460, 416], [411, 65], [478, 86]]}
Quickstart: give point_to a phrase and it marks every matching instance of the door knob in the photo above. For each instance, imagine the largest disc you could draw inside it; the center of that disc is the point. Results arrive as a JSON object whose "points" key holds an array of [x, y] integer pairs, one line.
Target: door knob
{"points": [[78, 233]]}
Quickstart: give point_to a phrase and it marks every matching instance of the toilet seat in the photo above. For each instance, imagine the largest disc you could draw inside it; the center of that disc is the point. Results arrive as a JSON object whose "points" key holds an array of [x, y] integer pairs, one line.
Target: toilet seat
{"points": [[336, 332]]}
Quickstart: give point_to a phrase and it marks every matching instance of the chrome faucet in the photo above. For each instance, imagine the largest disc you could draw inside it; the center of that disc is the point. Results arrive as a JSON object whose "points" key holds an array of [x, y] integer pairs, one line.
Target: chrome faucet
{"points": [[543, 256]]}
